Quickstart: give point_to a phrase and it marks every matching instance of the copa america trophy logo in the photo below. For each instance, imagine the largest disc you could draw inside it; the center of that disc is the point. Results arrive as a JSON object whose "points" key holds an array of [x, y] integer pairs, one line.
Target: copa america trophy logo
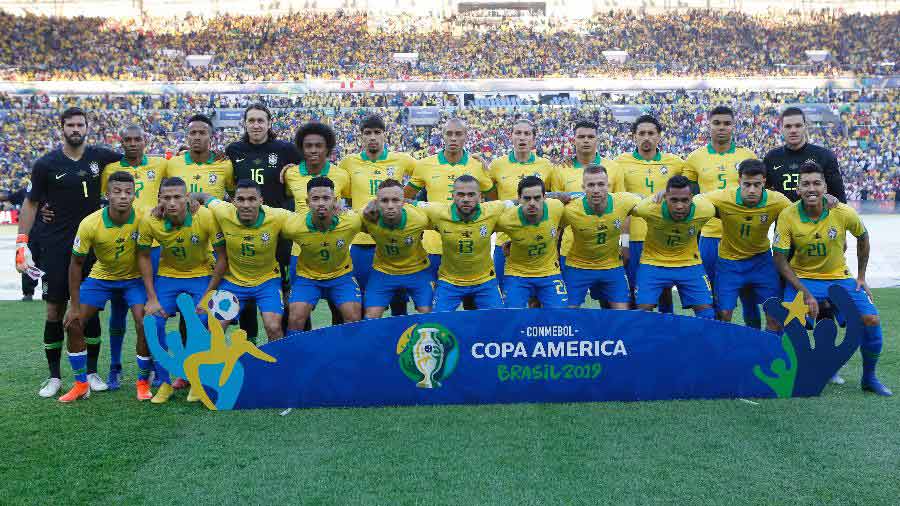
{"points": [[428, 353]]}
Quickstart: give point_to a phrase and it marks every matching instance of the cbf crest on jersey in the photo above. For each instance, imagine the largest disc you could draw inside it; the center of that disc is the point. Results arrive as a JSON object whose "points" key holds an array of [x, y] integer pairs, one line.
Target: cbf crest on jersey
{"points": [[390, 171], [692, 230], [95, 169], [212, 178], [195, 239], [151, 175], [663, 170], [552, 231], [273, 158], [265, 237], [483, 231], [618, 224], [832, 233], [763, 219], [340, 243], [408, 240], [134, 236]]}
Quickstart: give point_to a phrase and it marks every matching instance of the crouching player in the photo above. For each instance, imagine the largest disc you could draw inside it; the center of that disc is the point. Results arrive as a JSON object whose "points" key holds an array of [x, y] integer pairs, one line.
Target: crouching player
{"points": [[185, 240], [817, 236], [112, 232], [400, 262], [597, 221]]}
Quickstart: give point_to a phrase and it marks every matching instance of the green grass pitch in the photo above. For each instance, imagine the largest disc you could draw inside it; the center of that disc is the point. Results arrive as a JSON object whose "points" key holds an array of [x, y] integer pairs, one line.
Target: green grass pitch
{"points": [[840, 448]]}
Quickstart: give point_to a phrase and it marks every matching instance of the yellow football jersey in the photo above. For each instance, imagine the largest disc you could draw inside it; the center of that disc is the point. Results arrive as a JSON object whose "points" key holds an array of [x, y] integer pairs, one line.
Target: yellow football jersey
{"points": [[713, 171], [399, 250], [570, 178], [506, 172], [818, 245], [184, 249], [746, 229], [366, 174], [466, 245], [532, 250], [595, 242], [645, 178], [671, 243], [251, 249], [212, 177], [115, 246], [295, 181], [326, 255], [436, 175], [147, 178]]}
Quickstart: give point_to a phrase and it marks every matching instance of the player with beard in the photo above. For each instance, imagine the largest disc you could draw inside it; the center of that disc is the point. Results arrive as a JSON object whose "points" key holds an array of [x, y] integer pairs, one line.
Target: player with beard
{"points": [[68, 179]]}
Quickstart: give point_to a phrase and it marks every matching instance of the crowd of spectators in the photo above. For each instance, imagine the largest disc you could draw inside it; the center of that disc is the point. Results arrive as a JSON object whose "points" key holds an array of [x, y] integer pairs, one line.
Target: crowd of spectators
{"points": [[359, 46], [866, 137]]}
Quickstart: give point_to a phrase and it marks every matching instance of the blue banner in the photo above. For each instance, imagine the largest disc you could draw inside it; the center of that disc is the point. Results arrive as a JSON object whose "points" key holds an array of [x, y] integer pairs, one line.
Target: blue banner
{"points": [[515, 355]]}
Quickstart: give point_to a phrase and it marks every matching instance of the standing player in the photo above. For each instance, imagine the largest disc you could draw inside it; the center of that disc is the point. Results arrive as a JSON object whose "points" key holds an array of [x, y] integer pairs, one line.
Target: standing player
{"points": [[533, 231], [464, 228], [645, 172], [148, 172], [260, 157], [316, 142], [324, 266], [783, 163], [68, 180], [367, 170], [112, 233], [400, 264], [817, 237], [744, 261], [670, 257], [251, 234], [198, 167], [185, 265], [437, 175], [715, 167], [597, 221], [507, 172]]}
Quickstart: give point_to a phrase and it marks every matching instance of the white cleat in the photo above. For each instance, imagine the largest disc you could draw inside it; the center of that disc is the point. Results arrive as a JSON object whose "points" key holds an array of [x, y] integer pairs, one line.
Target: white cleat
{"points": [[50, 387], [96, 383]]}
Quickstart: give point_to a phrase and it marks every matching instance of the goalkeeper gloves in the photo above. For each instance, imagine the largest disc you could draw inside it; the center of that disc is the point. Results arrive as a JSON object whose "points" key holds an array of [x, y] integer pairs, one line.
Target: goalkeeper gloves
{"points": [[23, 254]]}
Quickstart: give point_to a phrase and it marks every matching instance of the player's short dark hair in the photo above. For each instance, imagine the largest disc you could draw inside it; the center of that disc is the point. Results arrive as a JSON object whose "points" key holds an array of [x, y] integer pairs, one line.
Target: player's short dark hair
{"points": [[721, 109], [390, 183], [678, 181], [585, 123], [792, 111], [247, 183], [120, 176], [172, 182], [531, 181], [315, 128], [810, 167], [646, 118], [259, 106], [71, 112], [527, 122], [372, 121], [752, 167], [595, 168], [202, 118], [465, 178], [319, 182]]}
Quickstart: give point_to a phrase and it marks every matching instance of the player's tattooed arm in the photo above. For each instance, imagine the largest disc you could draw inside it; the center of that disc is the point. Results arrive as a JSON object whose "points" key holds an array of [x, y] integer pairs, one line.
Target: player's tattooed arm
{"points": [[784, 268], [200, 197], [863, 246]]}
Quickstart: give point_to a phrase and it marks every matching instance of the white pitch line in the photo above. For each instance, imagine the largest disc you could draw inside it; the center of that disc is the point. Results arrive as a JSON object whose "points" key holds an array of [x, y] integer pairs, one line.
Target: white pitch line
{"points": [[287, 411], [749, 402]]}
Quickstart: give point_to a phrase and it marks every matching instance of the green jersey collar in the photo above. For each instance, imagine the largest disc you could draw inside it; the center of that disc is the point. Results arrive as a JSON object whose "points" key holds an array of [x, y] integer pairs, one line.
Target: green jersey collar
{"points": [[709, 148], [454, 213], [188, 160], [512, 158], [259, 219], [762, 200], [525, 221], [124, 163], [588, 210], [655, 158], [168, 226], [577, 165], [382, 157], [462, 161], [305, 172], [312, 228], [668, 217], [109, 223], [805, 217], [400, 226]]}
